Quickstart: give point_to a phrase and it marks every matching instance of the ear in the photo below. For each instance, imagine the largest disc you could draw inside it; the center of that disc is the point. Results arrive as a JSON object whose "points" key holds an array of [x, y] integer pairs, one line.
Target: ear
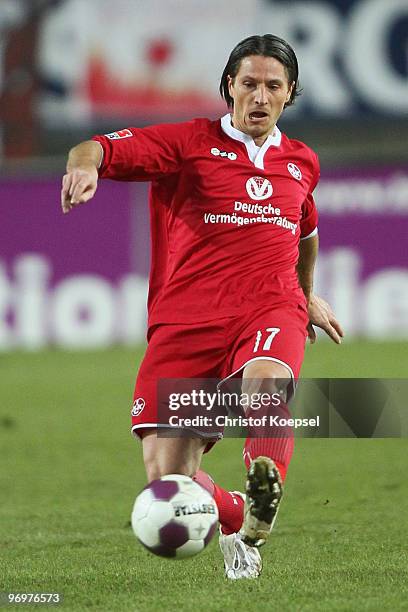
{"points": [[290, 92], [230, 85]]}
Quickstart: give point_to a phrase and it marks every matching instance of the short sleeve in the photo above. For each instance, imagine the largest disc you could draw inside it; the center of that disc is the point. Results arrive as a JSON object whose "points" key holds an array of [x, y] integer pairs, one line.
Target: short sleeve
{"points": [[309, 219], [144, 154]]}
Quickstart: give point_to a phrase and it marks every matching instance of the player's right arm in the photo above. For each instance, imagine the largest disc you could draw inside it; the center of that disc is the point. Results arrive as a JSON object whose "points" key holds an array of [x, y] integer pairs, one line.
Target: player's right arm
{"points": [[80, 182], [132, 154]]}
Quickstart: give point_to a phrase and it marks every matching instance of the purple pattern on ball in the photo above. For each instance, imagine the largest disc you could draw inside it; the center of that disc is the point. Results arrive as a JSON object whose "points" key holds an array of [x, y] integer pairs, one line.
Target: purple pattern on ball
{"points": [[173, 535], [163, 489], [163, 551], [210, 534]]}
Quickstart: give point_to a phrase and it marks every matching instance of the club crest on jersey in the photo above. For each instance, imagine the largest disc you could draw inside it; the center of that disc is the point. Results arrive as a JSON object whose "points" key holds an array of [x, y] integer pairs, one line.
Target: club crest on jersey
{"points": [[118, 135], [138, 406], [295, 171], [259, 188]]}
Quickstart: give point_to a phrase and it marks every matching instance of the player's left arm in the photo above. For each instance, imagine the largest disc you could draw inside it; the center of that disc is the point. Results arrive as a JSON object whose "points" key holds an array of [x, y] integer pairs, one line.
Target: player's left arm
{"points": [[320, 312]]}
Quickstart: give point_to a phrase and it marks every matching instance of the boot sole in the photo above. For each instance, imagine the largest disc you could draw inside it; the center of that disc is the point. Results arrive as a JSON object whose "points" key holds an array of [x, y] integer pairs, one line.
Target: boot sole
{"points": [[264, 491]]}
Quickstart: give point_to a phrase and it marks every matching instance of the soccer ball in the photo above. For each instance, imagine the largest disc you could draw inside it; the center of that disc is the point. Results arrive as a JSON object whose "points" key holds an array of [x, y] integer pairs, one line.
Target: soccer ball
{"points": [[174, 517]]}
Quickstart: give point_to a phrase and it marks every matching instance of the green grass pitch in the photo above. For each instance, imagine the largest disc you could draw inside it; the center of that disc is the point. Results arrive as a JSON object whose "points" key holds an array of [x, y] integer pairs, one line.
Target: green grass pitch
{"points": [[69, 473]]}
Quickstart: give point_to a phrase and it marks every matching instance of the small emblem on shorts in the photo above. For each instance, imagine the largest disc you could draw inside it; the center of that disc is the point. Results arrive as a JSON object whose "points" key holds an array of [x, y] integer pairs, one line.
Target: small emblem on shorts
{"points": [[295, 171], [138, 406]]}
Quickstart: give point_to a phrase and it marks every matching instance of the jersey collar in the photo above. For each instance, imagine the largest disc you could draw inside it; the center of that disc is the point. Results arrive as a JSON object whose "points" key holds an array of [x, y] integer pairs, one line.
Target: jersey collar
{"points": [[255, 154]]}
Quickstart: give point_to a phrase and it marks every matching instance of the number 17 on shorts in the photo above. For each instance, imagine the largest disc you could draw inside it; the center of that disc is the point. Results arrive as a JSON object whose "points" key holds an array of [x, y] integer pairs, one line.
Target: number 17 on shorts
{"points": [[264, 338]]}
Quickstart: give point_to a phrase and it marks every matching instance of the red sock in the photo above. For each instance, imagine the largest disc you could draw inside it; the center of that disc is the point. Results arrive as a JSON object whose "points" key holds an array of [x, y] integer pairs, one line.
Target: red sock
{"points": [[230, 506], [278, 449]]}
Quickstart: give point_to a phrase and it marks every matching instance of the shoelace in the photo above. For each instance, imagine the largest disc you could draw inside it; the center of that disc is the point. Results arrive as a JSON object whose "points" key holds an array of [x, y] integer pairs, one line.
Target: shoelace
{"points": [[240, 548]]}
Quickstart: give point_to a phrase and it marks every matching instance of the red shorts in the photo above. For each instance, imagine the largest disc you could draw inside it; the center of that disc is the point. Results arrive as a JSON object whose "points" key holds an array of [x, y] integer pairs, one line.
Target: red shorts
{"points": [[217, 350]]}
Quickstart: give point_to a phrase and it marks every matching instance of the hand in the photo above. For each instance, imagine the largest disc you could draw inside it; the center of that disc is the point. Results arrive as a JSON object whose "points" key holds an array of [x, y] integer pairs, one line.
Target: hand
{"points": [[321, 315], [78, 186]]}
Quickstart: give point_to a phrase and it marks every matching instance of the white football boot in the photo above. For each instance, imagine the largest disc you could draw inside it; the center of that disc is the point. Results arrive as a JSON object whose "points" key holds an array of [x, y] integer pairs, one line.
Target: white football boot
{"points": [[240, 560], [264, 491]]}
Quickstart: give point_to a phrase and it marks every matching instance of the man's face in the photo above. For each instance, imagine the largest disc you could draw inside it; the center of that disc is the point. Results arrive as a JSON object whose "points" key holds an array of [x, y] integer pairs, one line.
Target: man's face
{"points": [[260, 91]]}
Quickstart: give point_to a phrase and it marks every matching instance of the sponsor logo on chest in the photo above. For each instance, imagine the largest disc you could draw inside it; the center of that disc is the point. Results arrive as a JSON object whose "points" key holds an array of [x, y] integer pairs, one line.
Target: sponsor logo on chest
{"points": [[259, 188]]}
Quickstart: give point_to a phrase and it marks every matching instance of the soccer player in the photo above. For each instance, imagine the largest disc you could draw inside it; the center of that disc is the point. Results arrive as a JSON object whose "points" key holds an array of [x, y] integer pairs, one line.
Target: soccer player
{"points": [[234, 244]]}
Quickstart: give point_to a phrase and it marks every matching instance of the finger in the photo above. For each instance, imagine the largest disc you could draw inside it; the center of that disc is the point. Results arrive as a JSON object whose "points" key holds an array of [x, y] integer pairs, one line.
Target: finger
{"points": [[65, 200], [77, 182], [337, 327], [73, 182], [66, 207], [311, 333], [79, 190], [332, 333], [66, 183], [86, 195], [69, 182]]}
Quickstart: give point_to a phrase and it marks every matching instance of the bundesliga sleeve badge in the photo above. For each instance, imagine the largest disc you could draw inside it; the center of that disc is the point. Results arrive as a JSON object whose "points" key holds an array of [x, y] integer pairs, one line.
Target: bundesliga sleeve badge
{"points": [[118, 135]]}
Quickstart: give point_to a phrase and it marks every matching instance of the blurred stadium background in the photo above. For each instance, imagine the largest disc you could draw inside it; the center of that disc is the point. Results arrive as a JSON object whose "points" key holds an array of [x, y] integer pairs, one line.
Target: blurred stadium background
{"points": [[73, 288], [69, 69]]}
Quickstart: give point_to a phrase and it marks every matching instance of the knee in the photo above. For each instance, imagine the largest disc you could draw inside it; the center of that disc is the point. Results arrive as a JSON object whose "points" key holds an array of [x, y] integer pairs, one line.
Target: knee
{"points": [[265, 376]]}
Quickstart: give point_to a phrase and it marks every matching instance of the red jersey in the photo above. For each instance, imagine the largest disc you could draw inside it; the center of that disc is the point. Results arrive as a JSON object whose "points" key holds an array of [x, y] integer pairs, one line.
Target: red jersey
{"points": [[226, 216]]}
